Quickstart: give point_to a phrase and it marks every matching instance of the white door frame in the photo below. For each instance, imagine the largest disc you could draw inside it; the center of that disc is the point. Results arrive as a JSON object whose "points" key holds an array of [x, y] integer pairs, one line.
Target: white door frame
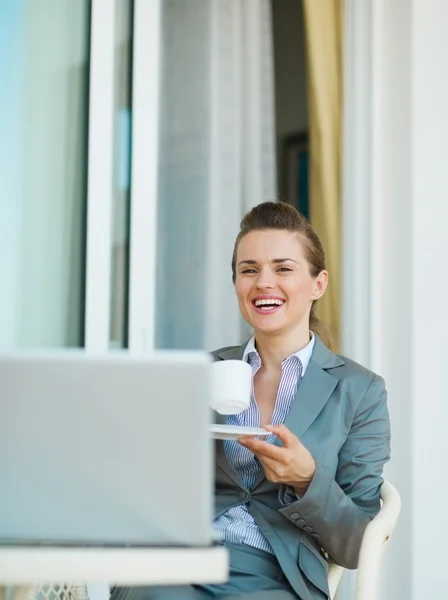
{"points": [[100, 177], [145, 149], [361, 216], [145, 164]]}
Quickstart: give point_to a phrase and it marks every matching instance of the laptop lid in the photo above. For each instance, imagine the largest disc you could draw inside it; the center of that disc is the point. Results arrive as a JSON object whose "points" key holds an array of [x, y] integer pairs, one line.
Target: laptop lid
{"points": [[110, 449]]}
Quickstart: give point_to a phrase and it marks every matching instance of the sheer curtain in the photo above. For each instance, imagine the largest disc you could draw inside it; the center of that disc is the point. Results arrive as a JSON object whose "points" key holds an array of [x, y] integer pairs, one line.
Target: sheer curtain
{"points": [[217, 159]]}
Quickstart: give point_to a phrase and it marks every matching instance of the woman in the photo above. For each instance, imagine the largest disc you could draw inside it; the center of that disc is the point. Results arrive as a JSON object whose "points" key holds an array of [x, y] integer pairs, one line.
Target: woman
{"points": [[305, 494]]}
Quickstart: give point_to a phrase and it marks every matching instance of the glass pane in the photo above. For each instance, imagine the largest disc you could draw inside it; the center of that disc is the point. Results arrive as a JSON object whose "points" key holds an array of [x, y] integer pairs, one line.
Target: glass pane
{"points": [[183, 175], [121, 206], [44, 111]]}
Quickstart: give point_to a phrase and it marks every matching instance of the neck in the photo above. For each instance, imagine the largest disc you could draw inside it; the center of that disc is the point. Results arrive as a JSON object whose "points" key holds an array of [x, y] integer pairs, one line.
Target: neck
{"points": [[273, 349]]}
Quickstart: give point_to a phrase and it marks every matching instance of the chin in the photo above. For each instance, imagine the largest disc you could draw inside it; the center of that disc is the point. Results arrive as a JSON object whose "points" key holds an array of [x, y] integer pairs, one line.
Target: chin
{"points": [[269, 328]]}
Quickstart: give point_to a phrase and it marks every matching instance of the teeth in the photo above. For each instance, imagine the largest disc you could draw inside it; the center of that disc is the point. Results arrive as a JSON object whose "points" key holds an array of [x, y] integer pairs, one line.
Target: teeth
{"points": [[269, 301]]}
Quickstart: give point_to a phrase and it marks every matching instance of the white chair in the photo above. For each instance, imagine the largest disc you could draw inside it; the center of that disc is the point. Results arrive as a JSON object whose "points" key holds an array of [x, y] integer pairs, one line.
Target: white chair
{"points": [[375, 540], [51, 591]]}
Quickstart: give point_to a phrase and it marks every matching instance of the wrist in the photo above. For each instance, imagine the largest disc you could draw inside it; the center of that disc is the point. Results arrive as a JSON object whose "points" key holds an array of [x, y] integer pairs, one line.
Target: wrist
{"points": [[300, 487]]}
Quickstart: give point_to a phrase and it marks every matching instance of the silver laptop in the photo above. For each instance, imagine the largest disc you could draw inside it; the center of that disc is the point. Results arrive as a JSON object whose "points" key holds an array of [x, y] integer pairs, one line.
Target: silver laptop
{"points": [[105, 450]]}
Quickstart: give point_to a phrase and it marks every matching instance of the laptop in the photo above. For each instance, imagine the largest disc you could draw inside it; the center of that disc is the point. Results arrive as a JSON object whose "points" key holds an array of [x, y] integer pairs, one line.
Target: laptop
{"points": [[106, 450]]}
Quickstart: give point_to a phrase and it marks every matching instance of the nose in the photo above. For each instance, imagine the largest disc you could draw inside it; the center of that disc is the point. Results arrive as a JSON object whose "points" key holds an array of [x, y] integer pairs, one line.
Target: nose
{"points": [[266, 280]]}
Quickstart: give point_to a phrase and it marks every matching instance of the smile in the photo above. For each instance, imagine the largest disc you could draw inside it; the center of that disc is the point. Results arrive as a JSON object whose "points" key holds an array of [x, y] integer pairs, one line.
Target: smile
{"points": [[267, 305]]}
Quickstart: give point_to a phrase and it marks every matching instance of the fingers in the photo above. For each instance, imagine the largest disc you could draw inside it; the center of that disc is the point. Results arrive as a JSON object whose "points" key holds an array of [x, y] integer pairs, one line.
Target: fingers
{"points": [[263, 449], [283, 433]]}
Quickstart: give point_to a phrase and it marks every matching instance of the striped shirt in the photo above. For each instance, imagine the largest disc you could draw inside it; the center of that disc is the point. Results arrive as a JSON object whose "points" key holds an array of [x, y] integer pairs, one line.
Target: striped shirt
{"points": [[237, 525]]}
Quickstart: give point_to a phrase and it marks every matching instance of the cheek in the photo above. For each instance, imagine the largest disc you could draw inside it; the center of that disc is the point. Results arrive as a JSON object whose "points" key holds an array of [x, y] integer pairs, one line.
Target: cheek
{"points": [[241, 289], [301, 290]]}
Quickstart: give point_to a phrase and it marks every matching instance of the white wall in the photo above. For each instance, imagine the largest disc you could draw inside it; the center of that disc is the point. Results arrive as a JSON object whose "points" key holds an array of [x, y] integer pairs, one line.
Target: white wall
{"points": [[395, 218], [429, 322], [393, 333]]}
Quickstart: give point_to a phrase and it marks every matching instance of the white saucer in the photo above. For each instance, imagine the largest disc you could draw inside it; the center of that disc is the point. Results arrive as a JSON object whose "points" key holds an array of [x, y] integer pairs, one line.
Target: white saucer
{"points": [[233, 432]]}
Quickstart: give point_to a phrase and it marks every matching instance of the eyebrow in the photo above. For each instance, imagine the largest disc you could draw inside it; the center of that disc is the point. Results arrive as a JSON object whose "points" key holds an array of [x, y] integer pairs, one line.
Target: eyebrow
{"points": [[274, 260]]}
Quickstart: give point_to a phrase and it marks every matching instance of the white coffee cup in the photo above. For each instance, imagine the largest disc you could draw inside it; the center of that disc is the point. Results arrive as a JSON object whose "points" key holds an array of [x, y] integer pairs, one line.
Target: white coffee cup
{"points": [[231, 386]]}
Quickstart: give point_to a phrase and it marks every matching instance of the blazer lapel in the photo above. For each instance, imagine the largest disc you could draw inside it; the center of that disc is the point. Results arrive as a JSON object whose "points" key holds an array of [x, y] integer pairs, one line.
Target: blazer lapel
{"points": [[315, 389], [312, 395], [235, 353]]}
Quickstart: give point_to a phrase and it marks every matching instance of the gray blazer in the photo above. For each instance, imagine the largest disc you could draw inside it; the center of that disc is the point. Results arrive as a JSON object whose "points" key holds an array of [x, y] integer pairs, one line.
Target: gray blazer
{"points": [[340, 414]]}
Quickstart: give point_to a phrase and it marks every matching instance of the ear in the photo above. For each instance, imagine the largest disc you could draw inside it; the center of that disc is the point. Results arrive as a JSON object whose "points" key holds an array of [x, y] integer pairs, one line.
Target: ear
{"points": [[320, 285]]}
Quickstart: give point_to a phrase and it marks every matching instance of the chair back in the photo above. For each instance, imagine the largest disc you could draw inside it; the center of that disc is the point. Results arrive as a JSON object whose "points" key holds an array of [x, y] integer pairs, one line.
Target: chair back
{"points": [[376, 537]]}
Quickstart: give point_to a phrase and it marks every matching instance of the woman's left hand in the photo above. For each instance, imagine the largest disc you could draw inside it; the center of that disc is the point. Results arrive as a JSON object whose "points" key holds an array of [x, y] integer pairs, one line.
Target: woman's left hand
{"points": [[292, 464]]}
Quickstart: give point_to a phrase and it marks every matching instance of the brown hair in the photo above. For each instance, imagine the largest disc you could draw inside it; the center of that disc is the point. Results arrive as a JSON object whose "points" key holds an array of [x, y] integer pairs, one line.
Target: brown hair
{"points": [[280, 215]]}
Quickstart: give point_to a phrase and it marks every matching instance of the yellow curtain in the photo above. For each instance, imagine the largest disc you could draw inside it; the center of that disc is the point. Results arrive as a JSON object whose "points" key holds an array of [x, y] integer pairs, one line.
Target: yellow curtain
{"points": [[324, 38]]}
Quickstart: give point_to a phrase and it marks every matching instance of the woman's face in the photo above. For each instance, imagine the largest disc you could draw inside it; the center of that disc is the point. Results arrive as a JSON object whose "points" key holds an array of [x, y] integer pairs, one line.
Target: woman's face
{"points": [[273, 283]]}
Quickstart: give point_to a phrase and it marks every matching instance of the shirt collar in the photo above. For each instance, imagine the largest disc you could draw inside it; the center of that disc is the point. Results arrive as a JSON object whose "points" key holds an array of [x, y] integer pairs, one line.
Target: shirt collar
{"points": [[304, 354]]}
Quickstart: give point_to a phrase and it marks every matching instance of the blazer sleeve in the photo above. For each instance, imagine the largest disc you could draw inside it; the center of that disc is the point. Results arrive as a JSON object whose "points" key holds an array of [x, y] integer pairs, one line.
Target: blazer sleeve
{"points": [[336, 511]]}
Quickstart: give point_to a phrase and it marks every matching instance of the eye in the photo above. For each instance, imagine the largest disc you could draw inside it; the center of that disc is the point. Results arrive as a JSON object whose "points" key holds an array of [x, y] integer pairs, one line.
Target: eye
{"points": [[284, 269], [248, 271]]}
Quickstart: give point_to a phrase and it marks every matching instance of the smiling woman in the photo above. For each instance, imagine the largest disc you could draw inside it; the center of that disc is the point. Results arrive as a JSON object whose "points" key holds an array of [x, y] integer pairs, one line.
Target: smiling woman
{"points": [[307, 492], [277, 249]]}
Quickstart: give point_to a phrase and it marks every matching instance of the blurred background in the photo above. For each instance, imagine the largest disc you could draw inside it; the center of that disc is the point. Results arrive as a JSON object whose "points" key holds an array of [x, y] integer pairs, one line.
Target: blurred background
{"points": [[134, 134]]}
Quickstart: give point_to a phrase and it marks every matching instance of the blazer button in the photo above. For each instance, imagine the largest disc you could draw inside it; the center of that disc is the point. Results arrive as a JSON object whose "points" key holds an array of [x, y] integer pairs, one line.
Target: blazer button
{"points": [[308, 529], [243, 497], [295, 516]]}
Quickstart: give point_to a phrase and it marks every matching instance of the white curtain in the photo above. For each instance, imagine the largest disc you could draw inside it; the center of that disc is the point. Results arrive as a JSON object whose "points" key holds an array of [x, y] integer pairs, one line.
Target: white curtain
{"points": [[217, 159]]}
